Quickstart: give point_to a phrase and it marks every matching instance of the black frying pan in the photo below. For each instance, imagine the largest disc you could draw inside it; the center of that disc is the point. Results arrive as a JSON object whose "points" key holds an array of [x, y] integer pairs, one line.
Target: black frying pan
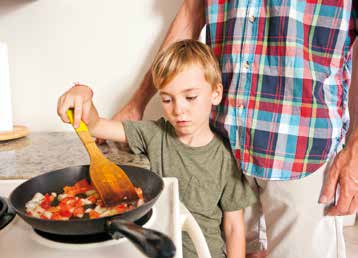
{"points": [[152, 243], [6, 213]]}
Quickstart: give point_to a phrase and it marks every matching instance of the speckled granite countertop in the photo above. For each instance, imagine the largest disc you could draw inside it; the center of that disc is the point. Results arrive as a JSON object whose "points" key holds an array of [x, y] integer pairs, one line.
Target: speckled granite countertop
{"points": [[44, 152]]}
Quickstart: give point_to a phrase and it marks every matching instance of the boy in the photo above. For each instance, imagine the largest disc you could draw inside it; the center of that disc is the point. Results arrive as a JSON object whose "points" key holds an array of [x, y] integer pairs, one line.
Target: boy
{"points": [[211, 187]]}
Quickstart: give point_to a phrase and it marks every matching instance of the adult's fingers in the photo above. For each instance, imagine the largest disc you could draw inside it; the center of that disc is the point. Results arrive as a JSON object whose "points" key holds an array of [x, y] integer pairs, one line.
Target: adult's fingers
{"points": [[330, 184], [346, 164], [344, 201], [353, 208]]}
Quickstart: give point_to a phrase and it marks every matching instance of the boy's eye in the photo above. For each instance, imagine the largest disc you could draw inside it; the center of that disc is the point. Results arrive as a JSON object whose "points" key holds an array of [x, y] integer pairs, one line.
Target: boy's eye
{"points": [[191, 98], [166, 100]]}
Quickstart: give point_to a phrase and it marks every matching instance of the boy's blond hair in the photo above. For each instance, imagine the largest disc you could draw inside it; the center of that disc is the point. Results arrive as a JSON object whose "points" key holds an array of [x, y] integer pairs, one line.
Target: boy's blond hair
{"points": [[180, 55]]}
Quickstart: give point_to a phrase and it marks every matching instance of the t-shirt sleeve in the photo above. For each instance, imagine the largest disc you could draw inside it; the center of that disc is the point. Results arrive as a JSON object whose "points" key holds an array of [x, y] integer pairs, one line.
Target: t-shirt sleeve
{"points": [[140, 133], [237, 193]]}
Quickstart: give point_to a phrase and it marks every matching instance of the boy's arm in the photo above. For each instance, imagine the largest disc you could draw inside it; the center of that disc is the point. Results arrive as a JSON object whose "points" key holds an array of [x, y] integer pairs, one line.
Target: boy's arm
{"points": [[108, 129], [234, 233]]}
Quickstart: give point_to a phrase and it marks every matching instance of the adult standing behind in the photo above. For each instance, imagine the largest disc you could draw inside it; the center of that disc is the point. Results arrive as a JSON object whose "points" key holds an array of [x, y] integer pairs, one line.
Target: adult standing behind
{"points": [[286, 68]]}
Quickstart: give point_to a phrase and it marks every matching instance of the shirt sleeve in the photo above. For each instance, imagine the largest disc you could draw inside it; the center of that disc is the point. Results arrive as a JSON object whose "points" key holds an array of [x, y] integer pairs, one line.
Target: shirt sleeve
{"points": [[237, 193], [140, 133]]}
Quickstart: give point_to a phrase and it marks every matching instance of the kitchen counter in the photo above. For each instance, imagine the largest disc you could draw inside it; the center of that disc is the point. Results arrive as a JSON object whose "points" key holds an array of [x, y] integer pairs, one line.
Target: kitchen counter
{"points": [[47, 151]]}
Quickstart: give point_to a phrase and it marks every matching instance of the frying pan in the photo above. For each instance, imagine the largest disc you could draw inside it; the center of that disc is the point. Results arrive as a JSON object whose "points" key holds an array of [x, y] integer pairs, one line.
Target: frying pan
{"points": [[6, 213], [151, 243]]}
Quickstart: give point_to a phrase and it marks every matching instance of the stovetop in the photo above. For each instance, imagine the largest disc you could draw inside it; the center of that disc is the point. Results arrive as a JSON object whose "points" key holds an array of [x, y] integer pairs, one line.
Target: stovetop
{"points": [[18, 239]]}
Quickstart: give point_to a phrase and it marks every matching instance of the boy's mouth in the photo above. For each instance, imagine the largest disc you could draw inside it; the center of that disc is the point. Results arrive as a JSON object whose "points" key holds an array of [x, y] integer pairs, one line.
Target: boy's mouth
{"points": [[182, 123]]}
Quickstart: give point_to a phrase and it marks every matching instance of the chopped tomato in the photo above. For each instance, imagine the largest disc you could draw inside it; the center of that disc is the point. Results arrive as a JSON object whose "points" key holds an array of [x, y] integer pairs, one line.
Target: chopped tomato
{"points": [[43, 217], [56, 216], [121, 207], [81, 186], [92, 199], [78, 212], [93, 214], [45, 205], [53, 209], [68, 198], [83, 183], [64, 206], [65, 213], [67, 201], [46, 202], [77, 203]]}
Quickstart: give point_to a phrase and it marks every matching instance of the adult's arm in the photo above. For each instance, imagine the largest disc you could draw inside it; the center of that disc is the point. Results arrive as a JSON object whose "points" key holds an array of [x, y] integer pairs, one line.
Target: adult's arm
{"points": [[344, 170], [187, 24]]}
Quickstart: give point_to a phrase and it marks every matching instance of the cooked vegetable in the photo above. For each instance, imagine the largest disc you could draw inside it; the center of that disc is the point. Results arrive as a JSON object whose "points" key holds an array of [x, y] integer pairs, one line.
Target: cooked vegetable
{"points": [[78, 201]]}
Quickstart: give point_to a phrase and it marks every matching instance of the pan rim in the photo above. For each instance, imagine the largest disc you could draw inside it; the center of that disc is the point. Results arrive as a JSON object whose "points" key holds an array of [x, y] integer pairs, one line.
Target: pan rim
{"points": [[4, 206]]}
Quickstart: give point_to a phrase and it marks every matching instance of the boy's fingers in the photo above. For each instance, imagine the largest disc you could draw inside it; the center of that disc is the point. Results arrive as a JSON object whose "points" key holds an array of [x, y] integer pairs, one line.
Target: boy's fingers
{"points": [[100, 141], [66, 104], [59, 101], [78, 112], [60, 110], [85, 111]]}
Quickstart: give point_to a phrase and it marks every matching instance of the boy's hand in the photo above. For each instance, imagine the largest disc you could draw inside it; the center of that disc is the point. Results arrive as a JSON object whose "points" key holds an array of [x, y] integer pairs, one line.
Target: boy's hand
{"points": [[79, 98]]}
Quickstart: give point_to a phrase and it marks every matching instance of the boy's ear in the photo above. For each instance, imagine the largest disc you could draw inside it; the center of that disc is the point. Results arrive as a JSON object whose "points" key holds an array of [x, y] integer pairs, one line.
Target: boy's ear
{"points": [[217, 94]]}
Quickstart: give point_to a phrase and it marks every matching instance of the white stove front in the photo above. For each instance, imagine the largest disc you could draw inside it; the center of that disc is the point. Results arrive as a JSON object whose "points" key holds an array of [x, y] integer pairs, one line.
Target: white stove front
{"points": [[18, 239]]}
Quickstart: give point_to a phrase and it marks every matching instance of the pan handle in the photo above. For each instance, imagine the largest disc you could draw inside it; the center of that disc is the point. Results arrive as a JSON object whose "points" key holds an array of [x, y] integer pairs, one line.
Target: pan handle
{"points": [[152, 243]]}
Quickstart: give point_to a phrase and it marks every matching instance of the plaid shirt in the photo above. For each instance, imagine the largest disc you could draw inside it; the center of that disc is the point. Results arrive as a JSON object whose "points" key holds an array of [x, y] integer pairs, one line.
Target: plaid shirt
{"points": [[286, 69]]}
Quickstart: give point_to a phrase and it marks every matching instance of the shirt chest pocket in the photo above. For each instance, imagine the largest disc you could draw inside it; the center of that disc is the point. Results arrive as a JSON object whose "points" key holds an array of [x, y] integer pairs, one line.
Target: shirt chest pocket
{"points": [[201, 196]]}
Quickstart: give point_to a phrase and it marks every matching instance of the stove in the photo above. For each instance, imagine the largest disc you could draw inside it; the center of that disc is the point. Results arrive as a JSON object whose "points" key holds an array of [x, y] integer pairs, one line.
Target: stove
{"points": [[18, 239]]}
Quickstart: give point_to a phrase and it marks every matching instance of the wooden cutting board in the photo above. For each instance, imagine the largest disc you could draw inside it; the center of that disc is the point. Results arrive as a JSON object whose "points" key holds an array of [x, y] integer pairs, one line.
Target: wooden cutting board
{"points": [[18, 132]]}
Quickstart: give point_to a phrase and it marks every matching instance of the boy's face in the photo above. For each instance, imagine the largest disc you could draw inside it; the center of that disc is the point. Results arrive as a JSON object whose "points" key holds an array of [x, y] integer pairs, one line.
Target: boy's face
{"points": [[187, 101]]}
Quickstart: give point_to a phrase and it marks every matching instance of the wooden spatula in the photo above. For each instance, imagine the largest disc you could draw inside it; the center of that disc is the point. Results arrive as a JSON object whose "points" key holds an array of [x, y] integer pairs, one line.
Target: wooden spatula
{"points": [[110, 181]]}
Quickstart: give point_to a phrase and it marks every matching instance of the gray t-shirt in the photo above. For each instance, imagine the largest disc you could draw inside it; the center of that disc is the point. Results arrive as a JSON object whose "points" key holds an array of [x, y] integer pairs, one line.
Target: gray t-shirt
{"points": [[209, 180]]}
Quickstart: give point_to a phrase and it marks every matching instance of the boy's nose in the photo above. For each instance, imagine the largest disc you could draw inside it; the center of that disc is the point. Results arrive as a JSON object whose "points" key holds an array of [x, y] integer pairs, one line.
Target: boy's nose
{"points": [[178, 108]]}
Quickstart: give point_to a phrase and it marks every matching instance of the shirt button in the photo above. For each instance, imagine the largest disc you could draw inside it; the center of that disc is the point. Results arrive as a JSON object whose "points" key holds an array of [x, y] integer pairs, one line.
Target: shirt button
{"points": [[252, 18], [247, 65]]}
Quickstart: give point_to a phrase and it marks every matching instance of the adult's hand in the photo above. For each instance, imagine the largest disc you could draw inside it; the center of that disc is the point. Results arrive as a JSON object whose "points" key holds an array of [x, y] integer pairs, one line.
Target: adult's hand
{"points": [[343, 172]]}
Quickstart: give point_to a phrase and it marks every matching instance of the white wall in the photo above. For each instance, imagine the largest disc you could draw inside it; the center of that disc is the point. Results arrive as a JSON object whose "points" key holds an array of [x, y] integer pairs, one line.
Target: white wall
{"points": [[108, 44]]}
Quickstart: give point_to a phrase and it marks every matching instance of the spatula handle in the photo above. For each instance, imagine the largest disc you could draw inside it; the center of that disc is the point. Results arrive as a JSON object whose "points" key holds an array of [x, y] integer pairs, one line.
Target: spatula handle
{"points": [[82, 128], [84, 135]]}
